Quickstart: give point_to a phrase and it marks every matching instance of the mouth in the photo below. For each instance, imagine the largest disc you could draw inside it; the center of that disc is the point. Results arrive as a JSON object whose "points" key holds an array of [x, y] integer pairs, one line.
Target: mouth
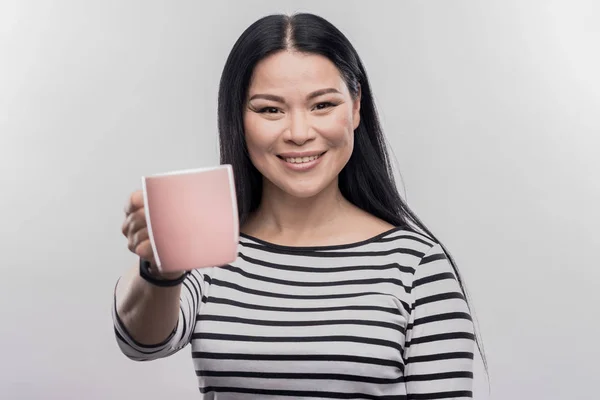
{"points": [[300, 159]]}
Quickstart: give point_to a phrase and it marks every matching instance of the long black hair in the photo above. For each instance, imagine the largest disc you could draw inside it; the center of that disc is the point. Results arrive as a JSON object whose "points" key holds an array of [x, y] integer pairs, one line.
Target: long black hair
{"points": [[367, 180]]}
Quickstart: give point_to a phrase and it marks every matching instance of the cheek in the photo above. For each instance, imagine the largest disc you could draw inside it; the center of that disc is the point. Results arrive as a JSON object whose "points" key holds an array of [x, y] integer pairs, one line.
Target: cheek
{"points": [[259, 137], [252, 136], [338, 129]]}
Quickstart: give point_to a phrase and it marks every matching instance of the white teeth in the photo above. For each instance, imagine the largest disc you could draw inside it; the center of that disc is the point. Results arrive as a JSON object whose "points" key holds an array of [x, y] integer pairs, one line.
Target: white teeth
{"points": [[300, 160]]}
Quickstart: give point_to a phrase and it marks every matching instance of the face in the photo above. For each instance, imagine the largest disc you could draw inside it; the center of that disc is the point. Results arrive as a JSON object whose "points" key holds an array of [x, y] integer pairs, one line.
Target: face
{"points": [[299, 123]]}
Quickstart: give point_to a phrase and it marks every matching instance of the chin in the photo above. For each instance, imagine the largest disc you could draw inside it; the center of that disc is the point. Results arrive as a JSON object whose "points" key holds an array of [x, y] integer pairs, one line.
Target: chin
{"points": [[303, 194], [303, 191]]}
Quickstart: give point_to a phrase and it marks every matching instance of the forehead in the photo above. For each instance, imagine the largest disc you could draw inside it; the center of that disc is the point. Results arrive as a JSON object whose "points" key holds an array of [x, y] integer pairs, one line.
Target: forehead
{"points": [[292, 70]]}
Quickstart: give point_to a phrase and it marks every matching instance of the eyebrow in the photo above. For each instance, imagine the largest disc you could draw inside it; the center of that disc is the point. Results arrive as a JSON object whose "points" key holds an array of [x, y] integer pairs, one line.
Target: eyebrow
{"points": [[280, 99]]}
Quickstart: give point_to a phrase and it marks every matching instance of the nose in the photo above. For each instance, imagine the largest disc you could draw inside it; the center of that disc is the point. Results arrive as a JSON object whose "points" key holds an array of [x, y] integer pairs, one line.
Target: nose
{"points": [[299, 131]]}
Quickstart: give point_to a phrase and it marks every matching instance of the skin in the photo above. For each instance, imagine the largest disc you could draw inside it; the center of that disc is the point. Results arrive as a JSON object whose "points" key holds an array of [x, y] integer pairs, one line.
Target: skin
{"points": [[299, 102]]}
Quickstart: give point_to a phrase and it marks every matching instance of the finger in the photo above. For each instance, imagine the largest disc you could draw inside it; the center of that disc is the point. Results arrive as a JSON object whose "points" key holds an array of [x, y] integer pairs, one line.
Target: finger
{"points": [[125, 225], [135, 201], [138, 221], [134, 239], [140, 236], [131, 244], [144, 250], [134, 222]]}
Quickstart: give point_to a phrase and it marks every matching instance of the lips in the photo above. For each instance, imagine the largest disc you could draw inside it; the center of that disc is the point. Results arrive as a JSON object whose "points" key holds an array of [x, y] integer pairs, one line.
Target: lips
{"points": [[301, 162], [300, 158]]}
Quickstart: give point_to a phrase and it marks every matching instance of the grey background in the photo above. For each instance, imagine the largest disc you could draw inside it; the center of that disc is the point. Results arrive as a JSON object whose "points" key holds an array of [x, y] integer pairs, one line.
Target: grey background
{"points": [[492, 109]]}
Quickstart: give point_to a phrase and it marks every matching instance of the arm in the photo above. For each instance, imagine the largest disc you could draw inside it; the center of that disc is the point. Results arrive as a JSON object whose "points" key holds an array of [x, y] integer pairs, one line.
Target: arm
{"points": [[440, 336], [152, 322]]}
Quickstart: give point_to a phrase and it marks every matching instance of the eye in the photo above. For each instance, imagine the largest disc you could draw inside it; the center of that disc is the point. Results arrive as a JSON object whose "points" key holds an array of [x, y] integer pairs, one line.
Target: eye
{"points": [[268, 110], [324, 105]]}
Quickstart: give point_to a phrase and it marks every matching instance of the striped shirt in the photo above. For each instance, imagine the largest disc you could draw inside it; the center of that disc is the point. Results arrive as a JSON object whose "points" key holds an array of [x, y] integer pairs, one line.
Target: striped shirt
{"points": [[384, 318]]}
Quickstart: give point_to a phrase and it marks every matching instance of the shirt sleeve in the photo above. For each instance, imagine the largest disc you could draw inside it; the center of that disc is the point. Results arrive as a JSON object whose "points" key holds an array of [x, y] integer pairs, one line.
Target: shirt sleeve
{"points": [[191, 296], [440, 340]]}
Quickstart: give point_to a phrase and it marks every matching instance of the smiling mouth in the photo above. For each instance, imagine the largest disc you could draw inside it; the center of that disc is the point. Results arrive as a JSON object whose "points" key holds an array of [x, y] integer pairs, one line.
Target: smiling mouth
{"points": [[301, 160]]}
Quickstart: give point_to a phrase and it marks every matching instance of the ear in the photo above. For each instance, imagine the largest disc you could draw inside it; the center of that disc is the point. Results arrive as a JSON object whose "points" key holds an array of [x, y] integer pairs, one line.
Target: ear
{"points": [[356, 109]]}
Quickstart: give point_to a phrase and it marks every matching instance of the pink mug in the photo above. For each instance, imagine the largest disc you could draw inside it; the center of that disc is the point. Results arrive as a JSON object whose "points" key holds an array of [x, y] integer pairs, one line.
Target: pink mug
{"points": [[192, 218]]}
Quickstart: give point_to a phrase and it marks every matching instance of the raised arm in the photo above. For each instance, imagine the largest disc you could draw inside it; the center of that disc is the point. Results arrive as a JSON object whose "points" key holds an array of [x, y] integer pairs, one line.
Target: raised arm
{"points": [[151, 321]]}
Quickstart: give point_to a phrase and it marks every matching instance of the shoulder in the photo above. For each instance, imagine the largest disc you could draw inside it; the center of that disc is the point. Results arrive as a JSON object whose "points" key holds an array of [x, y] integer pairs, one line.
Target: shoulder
{"points": [[417, 251], [411, 244], [408, 238], [431, 265]]}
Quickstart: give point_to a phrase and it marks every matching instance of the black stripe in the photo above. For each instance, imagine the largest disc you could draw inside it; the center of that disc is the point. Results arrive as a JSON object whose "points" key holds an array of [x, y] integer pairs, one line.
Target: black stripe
{"points": [[296, 339], [441, 317], [237, 320], [297, 393], [238, 304], [145, 352], [416, 239], [439, 297], [433, 278], [371, 281], [442, 395], [299, 376], [333, 254], [295, 268], [239, 288], [191, 288], [439, 337], [300, 357], [439, 376], [326, 247], [184, 320], [440, 357], [433, 257]]}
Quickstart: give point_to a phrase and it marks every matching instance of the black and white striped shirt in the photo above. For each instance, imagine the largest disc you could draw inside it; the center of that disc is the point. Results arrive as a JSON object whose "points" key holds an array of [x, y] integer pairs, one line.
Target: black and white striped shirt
{"points": [[381, 319]]}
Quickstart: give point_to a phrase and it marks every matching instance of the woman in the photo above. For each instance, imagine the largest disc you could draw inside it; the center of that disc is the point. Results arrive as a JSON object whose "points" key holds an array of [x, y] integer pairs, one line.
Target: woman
{"points": [[339, 291]]}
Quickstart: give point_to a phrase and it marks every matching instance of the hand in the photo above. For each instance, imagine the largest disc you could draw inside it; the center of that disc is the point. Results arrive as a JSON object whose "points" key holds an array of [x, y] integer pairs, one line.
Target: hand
{"points": [[135, 229]]}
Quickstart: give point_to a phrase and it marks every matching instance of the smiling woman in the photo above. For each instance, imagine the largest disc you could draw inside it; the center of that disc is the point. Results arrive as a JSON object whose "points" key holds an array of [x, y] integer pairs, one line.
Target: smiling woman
{"points": [[339, 291]]}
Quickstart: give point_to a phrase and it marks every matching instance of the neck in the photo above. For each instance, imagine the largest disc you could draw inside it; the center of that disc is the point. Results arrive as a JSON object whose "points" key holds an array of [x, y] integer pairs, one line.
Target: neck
{"points": [[282, 215]]}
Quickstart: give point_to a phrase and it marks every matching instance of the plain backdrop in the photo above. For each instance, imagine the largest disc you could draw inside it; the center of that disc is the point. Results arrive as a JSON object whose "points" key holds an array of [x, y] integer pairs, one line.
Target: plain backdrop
{"points": [[492, 110]]}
